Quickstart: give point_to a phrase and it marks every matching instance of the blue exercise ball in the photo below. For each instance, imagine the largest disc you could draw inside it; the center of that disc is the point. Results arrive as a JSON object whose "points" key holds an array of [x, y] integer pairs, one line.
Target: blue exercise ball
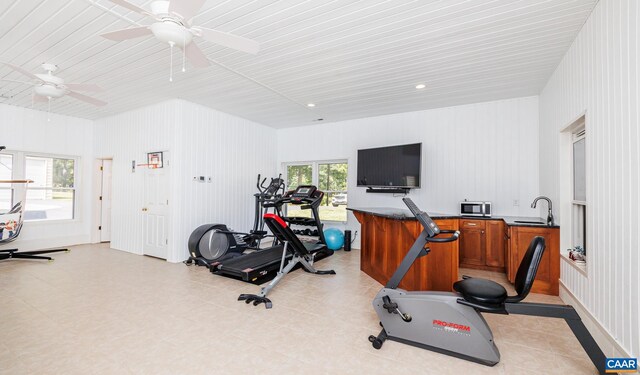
{"points": [[334, 238]]}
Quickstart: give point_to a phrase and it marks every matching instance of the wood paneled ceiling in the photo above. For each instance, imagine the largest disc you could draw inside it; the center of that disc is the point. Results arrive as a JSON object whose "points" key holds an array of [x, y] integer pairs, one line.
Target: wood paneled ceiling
{"points": [[351, 58]]}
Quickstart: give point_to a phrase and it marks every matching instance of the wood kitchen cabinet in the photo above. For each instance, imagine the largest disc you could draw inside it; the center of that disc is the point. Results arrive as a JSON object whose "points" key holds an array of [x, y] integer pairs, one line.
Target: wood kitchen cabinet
{"points": [[495, 244], [548, 276], [482, 244], [386, 240], [472, 243]]}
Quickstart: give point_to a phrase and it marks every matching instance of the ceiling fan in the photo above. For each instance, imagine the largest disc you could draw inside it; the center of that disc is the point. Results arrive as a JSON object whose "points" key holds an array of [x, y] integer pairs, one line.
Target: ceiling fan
{"points": [[46, 86], [172, 25]]}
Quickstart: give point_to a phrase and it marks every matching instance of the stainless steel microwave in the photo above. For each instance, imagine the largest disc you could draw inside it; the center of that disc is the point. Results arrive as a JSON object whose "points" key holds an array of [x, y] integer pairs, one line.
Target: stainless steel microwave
{"points": [[475, 209]]}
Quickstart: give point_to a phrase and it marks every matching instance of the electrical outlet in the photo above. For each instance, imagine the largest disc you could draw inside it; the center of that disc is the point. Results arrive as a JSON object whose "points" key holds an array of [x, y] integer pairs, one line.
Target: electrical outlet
{"points": [[516, 202]]}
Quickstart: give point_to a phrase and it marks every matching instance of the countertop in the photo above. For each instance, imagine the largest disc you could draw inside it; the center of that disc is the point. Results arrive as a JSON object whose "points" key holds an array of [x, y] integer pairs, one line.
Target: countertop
{"points": [[403, 214]]}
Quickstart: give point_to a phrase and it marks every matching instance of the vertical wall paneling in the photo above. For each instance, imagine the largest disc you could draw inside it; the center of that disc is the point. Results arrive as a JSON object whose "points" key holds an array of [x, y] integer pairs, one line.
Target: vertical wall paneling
{"points": [[484, 151], [230, 150], [127, 137], [27, 130], [599, 76], [202, 142]]}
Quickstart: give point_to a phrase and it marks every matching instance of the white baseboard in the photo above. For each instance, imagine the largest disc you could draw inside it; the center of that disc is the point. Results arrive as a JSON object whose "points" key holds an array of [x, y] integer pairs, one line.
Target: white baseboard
{"points": [[47, 243], [607, 343]]}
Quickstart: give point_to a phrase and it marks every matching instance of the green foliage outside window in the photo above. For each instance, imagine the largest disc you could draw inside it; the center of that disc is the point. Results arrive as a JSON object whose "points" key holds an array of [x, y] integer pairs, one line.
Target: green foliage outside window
{"points": [[299, 175], [63, 173], [332, 177]]}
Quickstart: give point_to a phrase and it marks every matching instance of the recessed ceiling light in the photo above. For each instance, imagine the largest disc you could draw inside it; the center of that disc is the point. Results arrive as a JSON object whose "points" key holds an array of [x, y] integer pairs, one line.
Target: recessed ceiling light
{"points": [[421, 86], [311, 105]]}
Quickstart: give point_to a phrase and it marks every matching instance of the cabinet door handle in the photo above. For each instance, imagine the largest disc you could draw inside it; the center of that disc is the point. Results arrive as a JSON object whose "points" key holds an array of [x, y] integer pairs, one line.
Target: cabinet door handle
{"points": [[482, 231], [471, 224]]}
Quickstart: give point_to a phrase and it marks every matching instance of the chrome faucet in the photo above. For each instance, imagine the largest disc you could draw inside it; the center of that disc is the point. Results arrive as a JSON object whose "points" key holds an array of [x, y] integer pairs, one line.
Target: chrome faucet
{"points": [[550, 214]]}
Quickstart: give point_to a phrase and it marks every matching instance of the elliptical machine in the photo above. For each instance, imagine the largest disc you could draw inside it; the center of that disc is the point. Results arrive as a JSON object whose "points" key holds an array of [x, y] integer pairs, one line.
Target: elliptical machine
{"points": [[216, 242], [452, 323], [265, 195]]}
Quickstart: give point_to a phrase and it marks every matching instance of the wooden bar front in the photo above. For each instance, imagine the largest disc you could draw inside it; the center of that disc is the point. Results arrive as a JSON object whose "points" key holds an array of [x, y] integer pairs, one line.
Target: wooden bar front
{"points": [[385, 241]]}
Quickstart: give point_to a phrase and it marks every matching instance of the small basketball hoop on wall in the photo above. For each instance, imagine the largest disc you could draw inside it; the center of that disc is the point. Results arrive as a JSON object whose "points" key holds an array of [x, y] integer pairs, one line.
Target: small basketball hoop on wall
{"points": [[154, 160]]}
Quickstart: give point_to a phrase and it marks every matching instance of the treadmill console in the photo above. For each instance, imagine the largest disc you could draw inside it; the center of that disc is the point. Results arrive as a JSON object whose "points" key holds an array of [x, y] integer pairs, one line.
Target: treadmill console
{"points": [[304, 191]]}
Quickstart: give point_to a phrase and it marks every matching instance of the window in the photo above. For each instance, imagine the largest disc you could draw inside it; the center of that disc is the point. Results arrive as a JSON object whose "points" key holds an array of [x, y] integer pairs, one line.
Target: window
{"points": [[330, 177], [51, 196], [299, 175], [6, 173], [579, 204]]}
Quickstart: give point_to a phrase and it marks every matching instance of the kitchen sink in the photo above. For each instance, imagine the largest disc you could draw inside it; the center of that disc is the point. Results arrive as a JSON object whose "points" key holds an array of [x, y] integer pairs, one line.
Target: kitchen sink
{"points": [[530, 222]]}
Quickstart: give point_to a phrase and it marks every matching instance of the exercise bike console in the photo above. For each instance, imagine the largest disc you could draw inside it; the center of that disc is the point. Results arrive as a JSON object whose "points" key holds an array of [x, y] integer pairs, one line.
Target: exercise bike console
{"points": [[425, 220]]}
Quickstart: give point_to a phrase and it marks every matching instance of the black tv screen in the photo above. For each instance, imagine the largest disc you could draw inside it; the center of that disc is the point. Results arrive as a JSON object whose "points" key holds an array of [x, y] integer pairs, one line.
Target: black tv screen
{"points": [[394, 166]]}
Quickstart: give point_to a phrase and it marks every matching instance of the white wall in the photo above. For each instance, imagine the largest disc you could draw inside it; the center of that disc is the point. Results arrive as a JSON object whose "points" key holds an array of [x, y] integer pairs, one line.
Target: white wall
{"points": [[126, 137], [27, 130], [484, 151], [201, 142], [599, 76], [232, 151]]}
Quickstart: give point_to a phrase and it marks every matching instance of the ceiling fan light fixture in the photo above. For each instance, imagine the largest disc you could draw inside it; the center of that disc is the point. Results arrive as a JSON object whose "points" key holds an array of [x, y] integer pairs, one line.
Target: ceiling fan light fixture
{"points": [[171, 32], [49, 91]]}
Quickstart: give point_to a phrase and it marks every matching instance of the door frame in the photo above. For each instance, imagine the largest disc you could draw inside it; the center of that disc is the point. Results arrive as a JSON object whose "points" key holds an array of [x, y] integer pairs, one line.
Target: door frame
{"points": [[96, 191]]}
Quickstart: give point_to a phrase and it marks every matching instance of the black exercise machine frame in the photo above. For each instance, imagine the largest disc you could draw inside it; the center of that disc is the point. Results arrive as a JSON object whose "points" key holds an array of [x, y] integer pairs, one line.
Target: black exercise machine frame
{"points": [[301, 256]]}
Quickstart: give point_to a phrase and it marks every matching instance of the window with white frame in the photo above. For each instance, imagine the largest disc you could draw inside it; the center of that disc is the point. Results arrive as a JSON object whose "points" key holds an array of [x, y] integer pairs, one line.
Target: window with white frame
{"points": [[52, 194], [6, 173], [328, 176], [579, 203]]}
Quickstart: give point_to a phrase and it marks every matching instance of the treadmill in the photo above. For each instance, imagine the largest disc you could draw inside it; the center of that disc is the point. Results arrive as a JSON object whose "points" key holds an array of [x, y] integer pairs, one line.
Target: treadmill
{"points": [[262, 265]]}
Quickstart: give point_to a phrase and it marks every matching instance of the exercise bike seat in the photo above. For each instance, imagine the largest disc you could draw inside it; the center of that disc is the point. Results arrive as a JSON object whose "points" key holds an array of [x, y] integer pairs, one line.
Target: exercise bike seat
{"points": [[481, 291], [490, 296]]}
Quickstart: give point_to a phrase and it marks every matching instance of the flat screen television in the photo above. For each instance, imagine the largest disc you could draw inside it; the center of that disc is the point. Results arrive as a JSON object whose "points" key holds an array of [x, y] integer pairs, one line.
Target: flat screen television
{"points": [[393, 166]]}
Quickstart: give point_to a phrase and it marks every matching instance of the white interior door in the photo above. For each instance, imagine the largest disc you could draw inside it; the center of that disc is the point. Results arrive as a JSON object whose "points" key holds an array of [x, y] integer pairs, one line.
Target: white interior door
{"points": [[156, 212], [105, 202]]}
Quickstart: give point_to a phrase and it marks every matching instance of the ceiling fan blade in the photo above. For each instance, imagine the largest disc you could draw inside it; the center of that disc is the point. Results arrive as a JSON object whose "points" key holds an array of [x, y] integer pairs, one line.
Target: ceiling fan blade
{"points": [[125, 34], [38, 99], [229, 40], [128, 5], [84, 87], [14, 81], [20, 70], [185, 8], [196, 56], [87, 99]]}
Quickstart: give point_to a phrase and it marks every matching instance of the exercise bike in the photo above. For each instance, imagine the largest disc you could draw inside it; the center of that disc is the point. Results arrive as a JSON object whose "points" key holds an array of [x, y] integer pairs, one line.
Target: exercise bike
{"points": [[452, 323]]}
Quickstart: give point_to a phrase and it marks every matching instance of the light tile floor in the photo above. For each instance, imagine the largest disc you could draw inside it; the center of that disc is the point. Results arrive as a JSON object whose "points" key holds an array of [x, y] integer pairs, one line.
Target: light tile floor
{"points": [[102, 311]]}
